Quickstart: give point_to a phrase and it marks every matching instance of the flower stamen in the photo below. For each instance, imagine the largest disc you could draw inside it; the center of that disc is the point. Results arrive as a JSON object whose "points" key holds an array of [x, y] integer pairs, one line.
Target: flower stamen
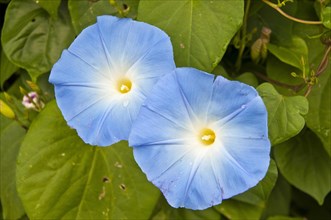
{"points": [[206, 136], [124, 85]]}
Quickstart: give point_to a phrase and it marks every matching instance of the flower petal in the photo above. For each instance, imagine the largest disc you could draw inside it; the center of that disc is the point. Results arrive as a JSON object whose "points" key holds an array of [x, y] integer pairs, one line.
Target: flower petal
{"points": [[152, 65], [192, 173], [185, 177], [156, 114], [229, 97], [204, 189], [97, 129], [149, 157], [241, 163], [180, 176], [87, 74], [119, 36], [73, 70], [249, 122], [81, 114], [76, 85], [89, 47], [196, 95]]}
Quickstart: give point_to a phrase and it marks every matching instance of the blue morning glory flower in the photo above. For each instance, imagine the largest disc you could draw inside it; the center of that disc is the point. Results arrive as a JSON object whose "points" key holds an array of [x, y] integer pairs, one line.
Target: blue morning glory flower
{"points": [[106, 74], [201, 139]]}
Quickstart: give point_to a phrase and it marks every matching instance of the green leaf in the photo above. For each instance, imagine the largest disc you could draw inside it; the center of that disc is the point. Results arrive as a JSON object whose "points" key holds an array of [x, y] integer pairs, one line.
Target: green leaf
{"points": [[282, 72], [304, 163], [312, 209], [207, 214], [310, 33], [293, 54], [51, 6], [279, 200], [250, 204], [248, 78], [84, 13], [60, 177], [11, 136], [326, 17], [285, 114], [7, 68], [166, 212], [200, 30], [279, 217], [234, 209], [32, 39], [259, 194], [319, 116]]}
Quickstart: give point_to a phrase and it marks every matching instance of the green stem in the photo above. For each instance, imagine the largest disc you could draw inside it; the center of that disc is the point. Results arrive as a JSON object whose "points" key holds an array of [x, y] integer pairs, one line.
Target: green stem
{"points": [[295, 88], [277, 8], [243, 36], [321, 68], [324, 61]]}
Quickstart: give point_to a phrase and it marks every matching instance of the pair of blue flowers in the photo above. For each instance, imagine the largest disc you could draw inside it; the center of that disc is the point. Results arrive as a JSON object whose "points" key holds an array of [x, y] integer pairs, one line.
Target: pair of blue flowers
{"points": [[198, 138]]}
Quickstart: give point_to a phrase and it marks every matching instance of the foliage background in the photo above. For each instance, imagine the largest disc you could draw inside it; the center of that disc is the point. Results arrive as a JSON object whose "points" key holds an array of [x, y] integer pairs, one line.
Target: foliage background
{"points": [[47, 172]]}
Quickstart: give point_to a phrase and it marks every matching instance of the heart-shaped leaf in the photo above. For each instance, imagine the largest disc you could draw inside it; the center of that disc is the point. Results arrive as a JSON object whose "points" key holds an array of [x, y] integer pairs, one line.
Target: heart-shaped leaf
{"points": [[84, 13], [32, 39], [285, 114], [50, 6], [319, 116], [303, 161], [200, 30], [296, 55], [60, 177], [11, 136], [7, 68]]}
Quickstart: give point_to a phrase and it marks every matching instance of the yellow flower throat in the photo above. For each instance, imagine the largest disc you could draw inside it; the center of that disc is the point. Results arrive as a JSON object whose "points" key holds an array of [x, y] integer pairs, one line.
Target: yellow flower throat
{"points": [[124, 85], [206, 136]]}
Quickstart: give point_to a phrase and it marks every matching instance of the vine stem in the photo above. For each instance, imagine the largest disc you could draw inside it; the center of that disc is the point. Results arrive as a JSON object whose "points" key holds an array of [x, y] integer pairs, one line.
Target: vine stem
{"points": [[324, 62], [243, 36], [277, 8], [295, 88], [321, 67]]}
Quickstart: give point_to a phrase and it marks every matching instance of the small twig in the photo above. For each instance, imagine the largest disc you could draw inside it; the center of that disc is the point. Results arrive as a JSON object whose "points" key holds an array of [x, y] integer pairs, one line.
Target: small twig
{"points": [[324, 62], [320, 69], [308, 90], [295, 88], [277, 8], [243, 36]]}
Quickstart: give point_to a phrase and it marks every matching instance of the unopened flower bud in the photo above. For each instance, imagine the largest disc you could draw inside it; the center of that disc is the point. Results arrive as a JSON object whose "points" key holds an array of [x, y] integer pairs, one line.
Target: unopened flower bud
{"points": [[6, 110], [259, 47], [33, 86]]}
